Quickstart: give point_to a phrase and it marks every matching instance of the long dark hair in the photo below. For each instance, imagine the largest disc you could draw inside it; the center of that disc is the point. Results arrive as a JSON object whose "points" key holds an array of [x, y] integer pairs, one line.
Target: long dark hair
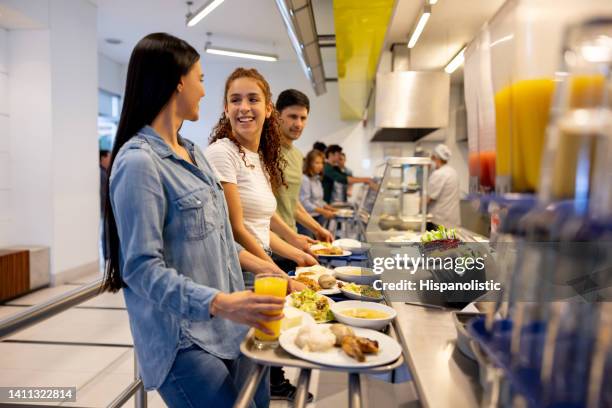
{"points": [[270, 143], [156, 66]]}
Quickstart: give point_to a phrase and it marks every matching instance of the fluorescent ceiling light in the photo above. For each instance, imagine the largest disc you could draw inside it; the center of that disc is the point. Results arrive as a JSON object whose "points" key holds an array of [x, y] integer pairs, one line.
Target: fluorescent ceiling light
{"points": [[419, 27], [241, 54], [432, 2], [456, 62], [199, 14]]}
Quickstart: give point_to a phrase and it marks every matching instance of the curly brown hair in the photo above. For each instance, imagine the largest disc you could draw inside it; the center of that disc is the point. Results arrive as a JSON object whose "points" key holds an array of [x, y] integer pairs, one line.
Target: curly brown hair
{"points": [[270, 143]]}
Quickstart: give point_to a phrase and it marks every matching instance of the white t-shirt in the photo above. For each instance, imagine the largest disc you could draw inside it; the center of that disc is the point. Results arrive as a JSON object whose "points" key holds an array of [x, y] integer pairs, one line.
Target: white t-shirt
{"points": [[258, 201], [444, 190]]}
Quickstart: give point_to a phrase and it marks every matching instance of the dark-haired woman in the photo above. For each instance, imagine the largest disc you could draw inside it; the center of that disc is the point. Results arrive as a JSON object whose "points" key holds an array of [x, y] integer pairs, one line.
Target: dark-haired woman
{"points": [[171, 245], [245, 151]]}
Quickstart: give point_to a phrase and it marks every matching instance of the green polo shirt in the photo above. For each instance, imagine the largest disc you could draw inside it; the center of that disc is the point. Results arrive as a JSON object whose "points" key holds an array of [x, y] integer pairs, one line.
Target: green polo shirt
{"points": [[288, 197], [332, 174]]}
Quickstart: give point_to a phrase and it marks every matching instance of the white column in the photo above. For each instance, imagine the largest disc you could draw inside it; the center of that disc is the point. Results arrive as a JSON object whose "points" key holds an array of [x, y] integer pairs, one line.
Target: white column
{"points": [[53, 136]]}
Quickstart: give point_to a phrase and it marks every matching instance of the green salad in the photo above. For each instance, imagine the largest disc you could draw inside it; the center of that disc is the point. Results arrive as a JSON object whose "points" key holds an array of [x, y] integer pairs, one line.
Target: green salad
{"points": [[312, 303], [439, 234], [363, 290]]}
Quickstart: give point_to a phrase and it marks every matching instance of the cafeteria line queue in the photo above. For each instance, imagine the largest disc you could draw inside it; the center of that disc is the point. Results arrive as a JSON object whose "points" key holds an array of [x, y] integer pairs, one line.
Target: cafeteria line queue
{"points": [[468, 267]]}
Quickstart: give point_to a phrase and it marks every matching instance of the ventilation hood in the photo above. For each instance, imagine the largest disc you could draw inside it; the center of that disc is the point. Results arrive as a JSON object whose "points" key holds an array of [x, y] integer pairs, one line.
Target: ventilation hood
{"points": [[410, 104]]}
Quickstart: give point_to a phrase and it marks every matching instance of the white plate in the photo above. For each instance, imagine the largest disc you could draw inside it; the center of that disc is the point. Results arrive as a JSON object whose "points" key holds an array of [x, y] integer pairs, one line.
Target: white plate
{"points": [[404, 239], [345, 253], [317, 272], [356, 296], [389, 350], [344, 213], [366, 278], [321, 246], [289, 303], [356, 247]]}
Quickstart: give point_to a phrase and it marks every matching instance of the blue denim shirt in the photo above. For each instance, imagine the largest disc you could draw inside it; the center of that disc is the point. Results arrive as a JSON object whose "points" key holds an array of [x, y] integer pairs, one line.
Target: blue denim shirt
{"points": [[311, 194], [177, 252]]}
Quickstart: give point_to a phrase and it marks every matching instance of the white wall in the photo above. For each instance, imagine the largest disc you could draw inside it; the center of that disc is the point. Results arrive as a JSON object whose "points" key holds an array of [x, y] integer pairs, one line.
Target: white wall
{"points": [[31, 143], [75, 105], [111, 75], [6, 212], [53, 110]]}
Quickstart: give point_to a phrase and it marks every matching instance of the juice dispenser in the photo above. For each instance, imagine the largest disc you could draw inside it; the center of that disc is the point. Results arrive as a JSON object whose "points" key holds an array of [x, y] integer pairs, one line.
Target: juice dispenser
{"points": [[470, 84], [480, 113], [526, 37]]}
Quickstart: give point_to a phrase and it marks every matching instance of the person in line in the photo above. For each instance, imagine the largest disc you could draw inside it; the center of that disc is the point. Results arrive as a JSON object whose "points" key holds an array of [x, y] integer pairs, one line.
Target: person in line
{"points": [[311, 191], [347, 189], [171, 245], [293, 107], [245, 151], [332, 174], [320, 146], [443, 189], [104, 163]]}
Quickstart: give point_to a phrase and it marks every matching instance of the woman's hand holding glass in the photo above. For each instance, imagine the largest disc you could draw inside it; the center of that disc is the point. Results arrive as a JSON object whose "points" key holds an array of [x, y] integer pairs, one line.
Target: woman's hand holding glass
{"points": [[248, 308]]}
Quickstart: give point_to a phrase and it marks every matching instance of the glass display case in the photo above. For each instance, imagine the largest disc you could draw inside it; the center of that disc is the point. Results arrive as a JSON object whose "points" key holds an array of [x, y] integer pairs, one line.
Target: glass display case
{"points": [[399, 205]]}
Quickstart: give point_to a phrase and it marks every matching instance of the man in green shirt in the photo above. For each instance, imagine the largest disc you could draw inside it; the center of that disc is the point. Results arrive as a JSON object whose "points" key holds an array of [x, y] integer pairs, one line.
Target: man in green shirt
{"points": [[293, 108], [333, 174]]}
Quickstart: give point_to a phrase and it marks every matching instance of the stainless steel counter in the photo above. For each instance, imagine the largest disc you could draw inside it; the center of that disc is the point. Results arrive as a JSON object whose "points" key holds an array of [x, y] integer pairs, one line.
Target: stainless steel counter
{"points": [[443, 376]]}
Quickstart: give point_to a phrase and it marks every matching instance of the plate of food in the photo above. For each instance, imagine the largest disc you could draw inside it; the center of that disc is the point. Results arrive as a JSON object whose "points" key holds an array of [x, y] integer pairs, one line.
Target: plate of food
{"points": [[352, 245], [318, 278], [338, 345], [368, 315], [361, 292], [404, 239], [344, 213], [324, 249], [316, 305], [356, 274]]}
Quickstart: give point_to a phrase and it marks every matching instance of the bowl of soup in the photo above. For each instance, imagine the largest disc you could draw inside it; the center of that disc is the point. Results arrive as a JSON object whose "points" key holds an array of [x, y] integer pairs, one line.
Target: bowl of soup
{"points": [[363, 314]]}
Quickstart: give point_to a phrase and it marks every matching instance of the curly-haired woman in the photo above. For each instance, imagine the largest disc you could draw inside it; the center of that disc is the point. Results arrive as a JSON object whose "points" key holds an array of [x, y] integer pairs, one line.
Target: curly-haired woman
{"points": [[245, 151]]}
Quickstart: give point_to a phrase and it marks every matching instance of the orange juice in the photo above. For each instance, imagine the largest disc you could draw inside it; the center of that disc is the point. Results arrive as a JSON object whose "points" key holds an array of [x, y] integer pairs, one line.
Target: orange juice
{"points": [[587, 91], [522, 111], [271, 286], [482, 165]]}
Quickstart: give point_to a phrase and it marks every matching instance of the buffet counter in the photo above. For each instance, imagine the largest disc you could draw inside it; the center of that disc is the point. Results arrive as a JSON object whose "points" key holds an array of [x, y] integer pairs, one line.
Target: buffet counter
{"points": [[443, 376]]}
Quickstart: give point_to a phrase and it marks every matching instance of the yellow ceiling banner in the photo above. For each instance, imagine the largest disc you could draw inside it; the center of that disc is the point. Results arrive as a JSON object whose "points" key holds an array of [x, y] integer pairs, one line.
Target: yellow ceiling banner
{"points": [[360, 33]]}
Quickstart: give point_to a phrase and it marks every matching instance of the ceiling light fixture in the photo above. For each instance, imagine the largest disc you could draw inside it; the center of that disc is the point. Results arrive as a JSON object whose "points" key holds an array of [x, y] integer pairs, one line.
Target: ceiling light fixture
{"points": [[197, 16], [240, 54], [299, 22], [432, 2], [418, 30], [230, 52], [455, 62]]}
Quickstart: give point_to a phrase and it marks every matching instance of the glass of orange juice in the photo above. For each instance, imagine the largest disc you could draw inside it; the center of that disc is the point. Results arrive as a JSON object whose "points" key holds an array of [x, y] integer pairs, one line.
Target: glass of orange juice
{"points": [[271, 285]]}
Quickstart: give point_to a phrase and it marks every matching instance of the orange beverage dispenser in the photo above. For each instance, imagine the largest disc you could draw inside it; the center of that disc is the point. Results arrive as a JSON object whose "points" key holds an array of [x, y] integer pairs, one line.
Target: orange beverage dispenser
{"points": [[480, 113], [525, 42]]}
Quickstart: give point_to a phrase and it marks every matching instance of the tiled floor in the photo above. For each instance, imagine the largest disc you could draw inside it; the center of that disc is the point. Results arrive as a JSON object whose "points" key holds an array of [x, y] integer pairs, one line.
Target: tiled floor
{"points": [[100, 373]]}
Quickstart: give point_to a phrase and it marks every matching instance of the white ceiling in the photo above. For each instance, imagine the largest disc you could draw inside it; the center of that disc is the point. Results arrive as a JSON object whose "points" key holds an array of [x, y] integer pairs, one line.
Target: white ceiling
{"points": [[453, 24], [254, 25]]}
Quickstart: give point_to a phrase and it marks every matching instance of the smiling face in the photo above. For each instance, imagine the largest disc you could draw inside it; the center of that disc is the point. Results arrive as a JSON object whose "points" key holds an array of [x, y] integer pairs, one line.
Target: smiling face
{"points": [[247, 109], [190, 91], [292, 121]]}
